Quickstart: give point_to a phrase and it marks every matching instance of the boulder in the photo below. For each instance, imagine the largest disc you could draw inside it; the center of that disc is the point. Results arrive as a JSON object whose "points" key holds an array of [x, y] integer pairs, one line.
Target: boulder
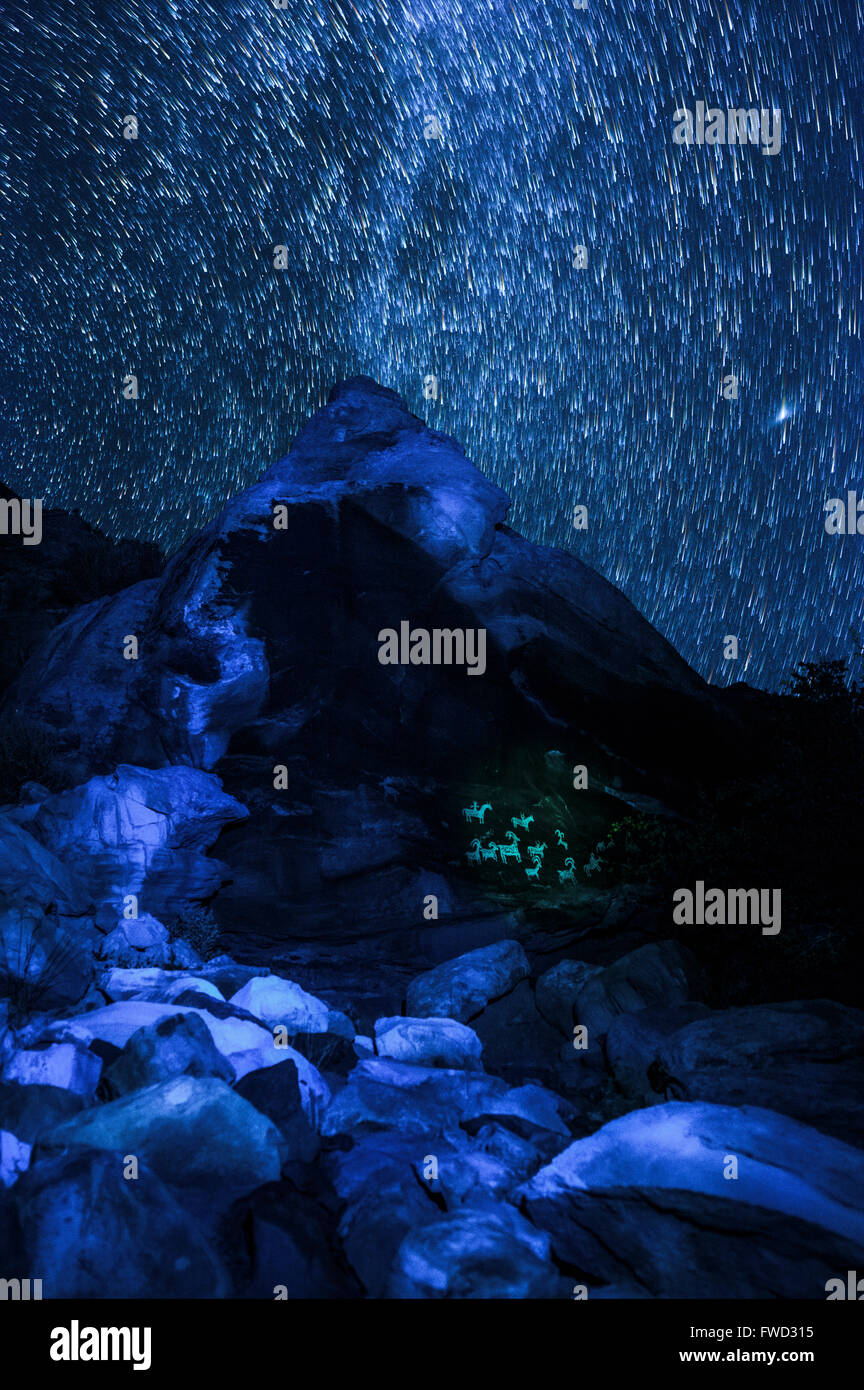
{"points": [[289, 1247], [460, 988], [228, 976], [138, 941], [250, 1046], [517, 1154], [468, 1168], [334, 1055], [633, 1042], [782, 1165], [430, 1042], [470, 1172], [27, 1111], [491, 1252], [384, 1198], [275, 1092], [183, 955], [179, 984], [177, 1045], [653, 1198], [374, 1099], [192, 1132], [278, 1001], [64, 1065], [114, 1024], [660, 973], [92, 1234], [314, 1090], [518, 1044], [802, 1058], [153, 983], [14, 1157], [524, 1109], [641, 1242], [556, 990]]}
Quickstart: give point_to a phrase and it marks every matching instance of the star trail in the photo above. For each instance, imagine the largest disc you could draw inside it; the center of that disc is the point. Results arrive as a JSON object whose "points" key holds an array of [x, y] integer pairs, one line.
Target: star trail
{"points": [[453, 254]]}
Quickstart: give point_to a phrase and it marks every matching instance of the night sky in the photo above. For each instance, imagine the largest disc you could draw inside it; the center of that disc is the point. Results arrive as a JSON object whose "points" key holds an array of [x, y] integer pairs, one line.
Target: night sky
{"points": [[304, 127]]}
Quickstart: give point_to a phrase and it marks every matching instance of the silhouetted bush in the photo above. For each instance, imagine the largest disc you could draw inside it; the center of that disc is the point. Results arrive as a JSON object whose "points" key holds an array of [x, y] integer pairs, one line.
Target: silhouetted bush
{"points": [[821, 681], [33, 959]]}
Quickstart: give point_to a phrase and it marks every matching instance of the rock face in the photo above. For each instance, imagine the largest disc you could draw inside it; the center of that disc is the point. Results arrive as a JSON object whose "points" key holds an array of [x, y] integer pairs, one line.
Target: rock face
{"points": [[42, 961], [30, 873]]}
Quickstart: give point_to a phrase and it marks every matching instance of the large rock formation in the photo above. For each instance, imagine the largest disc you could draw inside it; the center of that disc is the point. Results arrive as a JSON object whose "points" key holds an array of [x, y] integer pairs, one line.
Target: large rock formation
{"points": [[256, 623], [258, 649]]}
